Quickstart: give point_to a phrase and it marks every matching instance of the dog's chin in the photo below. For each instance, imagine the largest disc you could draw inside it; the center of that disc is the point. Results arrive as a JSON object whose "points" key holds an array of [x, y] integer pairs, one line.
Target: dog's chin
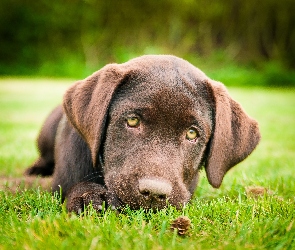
{"points": [[125, 190]]}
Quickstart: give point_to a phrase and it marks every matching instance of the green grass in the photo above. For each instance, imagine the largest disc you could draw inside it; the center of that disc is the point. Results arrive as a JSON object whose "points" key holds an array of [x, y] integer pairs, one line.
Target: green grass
{"points": [[219, 65], [225, 218]]}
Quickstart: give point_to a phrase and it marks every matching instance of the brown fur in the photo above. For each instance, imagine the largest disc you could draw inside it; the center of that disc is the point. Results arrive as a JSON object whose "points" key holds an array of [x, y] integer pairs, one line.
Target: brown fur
{"points": [[44, 165], [84, 194], [147, 165]]}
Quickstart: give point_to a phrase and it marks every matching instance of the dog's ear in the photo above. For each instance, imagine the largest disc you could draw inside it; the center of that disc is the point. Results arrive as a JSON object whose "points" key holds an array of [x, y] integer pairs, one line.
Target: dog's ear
{"points": [[86, 104], [234, 137]]}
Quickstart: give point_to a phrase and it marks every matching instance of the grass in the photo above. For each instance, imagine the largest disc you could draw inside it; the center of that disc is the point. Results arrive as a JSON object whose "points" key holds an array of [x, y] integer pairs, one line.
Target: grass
{"points": [[225, 218], [219, 65]]}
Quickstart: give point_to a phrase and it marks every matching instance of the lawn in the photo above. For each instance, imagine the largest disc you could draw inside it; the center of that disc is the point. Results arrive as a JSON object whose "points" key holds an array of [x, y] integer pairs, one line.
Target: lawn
{"points": [[232, 217]]}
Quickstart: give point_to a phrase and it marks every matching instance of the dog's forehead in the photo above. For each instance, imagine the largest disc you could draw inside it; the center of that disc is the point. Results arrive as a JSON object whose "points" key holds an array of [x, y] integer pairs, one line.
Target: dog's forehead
{"points": [[170, 95], [164, 75]]}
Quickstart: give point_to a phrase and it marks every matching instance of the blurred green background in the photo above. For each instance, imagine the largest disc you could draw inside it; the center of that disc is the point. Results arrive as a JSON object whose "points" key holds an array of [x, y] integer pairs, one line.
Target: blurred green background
{"points": [[241, 43]]}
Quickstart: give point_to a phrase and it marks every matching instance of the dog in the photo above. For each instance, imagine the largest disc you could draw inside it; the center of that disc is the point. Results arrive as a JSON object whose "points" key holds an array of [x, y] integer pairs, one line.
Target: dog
{"points": [[138, 133]]}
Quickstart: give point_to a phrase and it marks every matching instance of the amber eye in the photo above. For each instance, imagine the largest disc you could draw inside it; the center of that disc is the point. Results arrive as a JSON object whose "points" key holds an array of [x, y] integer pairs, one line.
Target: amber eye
{"points": [[191, 134], [133, 121]]}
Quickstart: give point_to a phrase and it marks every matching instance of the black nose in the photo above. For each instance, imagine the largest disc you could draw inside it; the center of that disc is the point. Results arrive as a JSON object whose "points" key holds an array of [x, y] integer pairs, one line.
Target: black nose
{"points": [[155, 189]]}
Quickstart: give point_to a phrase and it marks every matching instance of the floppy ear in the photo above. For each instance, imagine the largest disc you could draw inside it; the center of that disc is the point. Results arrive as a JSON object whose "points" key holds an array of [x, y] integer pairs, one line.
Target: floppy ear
{"points": [[234, 137], [87, 101]]}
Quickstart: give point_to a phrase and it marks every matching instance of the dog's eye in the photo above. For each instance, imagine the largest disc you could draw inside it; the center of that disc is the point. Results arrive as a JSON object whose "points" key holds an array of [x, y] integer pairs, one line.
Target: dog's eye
{"points": [[192, 134], [133, 121]]}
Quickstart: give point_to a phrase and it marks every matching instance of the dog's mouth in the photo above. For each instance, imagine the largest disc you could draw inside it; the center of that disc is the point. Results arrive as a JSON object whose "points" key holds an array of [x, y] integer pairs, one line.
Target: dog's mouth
{"points": [[146, 193]]}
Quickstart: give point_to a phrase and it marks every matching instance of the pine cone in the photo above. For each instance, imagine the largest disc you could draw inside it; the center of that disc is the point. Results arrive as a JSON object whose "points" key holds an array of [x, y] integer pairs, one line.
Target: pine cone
{"points": [[256, 191], [182, 224]]}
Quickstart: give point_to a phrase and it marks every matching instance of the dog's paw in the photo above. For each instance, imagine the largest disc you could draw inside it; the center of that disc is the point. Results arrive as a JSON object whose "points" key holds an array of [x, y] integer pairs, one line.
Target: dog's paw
{"points": [[37, 170], [85, 193]]}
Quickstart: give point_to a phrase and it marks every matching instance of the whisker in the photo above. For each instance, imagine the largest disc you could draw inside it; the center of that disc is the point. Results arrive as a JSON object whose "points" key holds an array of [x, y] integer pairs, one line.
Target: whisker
{"points": [[92, 176]]}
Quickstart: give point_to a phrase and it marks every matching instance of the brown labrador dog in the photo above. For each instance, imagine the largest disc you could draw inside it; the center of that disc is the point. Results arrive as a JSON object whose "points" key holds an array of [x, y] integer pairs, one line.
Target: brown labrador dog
{"points": [[138, 133]]}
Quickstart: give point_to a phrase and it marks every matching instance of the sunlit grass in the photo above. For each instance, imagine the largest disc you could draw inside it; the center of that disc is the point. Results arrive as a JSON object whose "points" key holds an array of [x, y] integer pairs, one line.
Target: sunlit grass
{"points": [[225, 218], [24, 104]]}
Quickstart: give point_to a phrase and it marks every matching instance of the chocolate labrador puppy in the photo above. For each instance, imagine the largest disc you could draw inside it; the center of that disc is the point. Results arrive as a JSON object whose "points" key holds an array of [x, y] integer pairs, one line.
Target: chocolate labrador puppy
{"points": [[138, 133]]}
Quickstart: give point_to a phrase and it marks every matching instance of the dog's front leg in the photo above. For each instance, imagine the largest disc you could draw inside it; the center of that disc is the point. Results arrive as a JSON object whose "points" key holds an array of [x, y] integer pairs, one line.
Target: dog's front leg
{"points": [[85, 193]]}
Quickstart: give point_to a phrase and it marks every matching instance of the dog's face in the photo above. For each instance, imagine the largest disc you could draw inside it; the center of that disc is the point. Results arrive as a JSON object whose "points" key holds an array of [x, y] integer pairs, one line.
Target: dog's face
{"points": [[154, 121], [155, 141]]}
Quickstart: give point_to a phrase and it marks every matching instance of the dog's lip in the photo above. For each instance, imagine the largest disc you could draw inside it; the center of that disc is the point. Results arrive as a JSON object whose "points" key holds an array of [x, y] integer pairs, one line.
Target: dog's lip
{"points": [[140, 201], [137, 202]]}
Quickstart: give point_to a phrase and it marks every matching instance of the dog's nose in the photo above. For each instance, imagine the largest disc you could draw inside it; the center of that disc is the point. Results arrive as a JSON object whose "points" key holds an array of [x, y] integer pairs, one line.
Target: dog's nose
{"points": [[155, 189]]}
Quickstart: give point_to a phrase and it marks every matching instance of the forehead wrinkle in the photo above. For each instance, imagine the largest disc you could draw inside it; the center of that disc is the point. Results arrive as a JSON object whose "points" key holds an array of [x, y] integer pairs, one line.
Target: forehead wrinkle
{"points": [[151, 96], [171, 96]]}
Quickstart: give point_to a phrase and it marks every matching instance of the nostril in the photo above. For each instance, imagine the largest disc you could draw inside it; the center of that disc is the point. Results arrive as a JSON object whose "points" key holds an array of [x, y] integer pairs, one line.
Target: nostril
{"points": [[162, 197], [145, 193]]}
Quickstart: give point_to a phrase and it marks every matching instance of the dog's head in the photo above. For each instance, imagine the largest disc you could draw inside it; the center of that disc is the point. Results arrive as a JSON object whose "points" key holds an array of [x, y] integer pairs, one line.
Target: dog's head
{"points": [[155, 121]]}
